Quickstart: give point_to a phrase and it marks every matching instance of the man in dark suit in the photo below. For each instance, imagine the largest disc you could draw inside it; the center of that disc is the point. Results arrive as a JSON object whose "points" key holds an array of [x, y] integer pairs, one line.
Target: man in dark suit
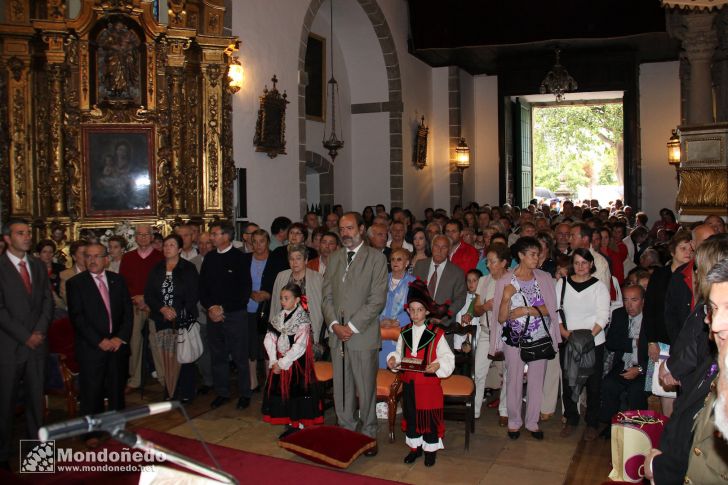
{"points": [[26, 308], [630, 357], [101, 311], [444, 279], [354, 294]]}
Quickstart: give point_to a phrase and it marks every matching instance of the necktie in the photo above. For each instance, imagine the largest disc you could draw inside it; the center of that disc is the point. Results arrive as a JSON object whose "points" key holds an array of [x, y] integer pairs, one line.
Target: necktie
{"points": [[104, 290], [349, 257], [25, 276], [432, 285]]}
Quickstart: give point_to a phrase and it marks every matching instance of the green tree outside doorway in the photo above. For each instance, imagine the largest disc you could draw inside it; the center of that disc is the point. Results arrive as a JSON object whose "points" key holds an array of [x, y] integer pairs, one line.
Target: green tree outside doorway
{"points": [[580, 147]]}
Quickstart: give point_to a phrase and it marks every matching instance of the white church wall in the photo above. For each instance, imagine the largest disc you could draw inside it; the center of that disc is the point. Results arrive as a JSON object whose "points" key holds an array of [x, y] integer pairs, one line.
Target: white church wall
{"points": [[417, 100], [659, 114], [439, 138], [485, 164]]}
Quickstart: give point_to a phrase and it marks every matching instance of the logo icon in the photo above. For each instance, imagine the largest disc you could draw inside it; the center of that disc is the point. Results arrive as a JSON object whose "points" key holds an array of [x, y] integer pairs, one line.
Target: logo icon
{"points": [[37, 456]]}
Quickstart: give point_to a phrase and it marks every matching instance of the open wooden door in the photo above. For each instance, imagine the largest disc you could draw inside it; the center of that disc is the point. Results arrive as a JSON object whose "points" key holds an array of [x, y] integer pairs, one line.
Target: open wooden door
{"points": [[523, 153]]}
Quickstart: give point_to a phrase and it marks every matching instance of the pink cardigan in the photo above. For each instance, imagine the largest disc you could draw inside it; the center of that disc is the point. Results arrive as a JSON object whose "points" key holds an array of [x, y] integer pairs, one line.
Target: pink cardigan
{"points": [[547, 286]]}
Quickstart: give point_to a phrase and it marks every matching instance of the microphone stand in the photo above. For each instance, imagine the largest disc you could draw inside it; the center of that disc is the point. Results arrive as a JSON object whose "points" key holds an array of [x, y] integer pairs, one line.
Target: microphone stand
{"points": [[134, 441]]}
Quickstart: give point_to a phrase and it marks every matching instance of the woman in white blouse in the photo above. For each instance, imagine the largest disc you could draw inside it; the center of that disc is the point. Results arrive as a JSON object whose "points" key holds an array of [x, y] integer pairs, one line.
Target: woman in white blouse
{"points": [[586, 308], [498, 258]]}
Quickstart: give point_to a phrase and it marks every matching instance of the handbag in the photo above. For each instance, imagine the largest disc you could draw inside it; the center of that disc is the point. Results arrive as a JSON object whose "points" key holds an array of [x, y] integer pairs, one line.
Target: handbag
{"points": [[540, 349], [189, 342]]}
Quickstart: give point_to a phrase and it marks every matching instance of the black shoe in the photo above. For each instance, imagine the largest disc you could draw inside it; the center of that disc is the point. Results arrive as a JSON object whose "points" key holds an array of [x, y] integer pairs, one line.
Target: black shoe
{"points": [[4, 465], [372, 451], [255, 389], [203, 390], [514, 435], [537, 435], [413, 455], [288, 432], [243, 402], [218, 401], [430, 457]]}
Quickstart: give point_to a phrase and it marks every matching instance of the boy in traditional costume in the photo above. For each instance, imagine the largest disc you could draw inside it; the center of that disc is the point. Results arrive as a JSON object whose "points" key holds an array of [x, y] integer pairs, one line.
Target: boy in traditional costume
{"points": [[291, 396], [424, 357]]}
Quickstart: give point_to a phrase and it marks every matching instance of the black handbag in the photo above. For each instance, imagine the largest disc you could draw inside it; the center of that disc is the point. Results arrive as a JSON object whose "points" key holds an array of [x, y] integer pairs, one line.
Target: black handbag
{"points": [[321, 350], [541, 349]]}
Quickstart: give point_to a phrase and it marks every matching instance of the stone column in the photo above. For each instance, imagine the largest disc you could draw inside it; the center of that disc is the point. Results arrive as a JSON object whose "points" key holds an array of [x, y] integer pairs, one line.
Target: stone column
{"points": [[720, 67], [699, 40]]}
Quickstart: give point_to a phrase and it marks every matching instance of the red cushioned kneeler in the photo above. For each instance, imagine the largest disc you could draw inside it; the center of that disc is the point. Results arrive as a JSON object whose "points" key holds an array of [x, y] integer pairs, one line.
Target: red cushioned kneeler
{"points": [[328, 445]]}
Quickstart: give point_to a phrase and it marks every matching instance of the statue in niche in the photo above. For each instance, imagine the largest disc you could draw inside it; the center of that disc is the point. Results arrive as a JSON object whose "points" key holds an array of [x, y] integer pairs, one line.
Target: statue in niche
{"points": [[119, 66]]}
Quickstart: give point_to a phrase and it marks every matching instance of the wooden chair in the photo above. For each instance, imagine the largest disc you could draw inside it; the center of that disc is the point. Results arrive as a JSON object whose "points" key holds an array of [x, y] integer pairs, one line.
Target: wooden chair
{"points": [[459, 390], [57, 365], [389, 387]]}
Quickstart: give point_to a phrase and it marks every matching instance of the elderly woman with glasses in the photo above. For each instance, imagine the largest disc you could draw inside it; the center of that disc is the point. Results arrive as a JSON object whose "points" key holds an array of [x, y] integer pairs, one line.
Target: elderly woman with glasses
{"points": [[394, 314], [310, 282]]}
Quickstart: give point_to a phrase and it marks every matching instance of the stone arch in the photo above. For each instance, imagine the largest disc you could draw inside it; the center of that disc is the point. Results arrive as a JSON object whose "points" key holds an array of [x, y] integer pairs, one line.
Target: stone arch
{"points": [[325, 168], [393, 104]]}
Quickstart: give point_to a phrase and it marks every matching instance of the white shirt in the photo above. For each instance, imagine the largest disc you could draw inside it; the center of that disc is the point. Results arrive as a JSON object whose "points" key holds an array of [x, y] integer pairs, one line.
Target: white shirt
{"points": [[585, 308], [602, 266], [223, 251], [188, 255], [405, 245], [103, 278], [457, 341], [16, 262], [322, 267], [440, 269], [445, 357]]}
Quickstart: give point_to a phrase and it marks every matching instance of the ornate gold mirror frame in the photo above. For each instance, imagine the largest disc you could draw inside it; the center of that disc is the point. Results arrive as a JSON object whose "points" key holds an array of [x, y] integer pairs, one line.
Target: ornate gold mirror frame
{"points": [[79, 96]]}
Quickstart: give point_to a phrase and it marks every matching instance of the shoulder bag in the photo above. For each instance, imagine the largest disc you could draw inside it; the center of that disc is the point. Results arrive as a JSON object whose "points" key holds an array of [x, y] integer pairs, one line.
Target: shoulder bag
{"points": [[540, 349], [189, 342]]}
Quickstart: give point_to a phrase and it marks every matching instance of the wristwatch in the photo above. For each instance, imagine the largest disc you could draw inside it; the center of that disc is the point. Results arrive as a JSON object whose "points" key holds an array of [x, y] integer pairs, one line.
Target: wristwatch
{"points": [[639, 368]]}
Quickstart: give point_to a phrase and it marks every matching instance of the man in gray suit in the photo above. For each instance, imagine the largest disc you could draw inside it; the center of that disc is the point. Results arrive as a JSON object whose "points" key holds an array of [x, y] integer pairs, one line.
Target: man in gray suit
{"points": [[26, 307], [354, 294], [444, 279]]}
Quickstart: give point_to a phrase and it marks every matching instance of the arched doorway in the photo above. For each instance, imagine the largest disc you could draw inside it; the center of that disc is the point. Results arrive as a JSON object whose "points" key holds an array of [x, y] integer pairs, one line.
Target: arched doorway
{"points": [[322, 169]]}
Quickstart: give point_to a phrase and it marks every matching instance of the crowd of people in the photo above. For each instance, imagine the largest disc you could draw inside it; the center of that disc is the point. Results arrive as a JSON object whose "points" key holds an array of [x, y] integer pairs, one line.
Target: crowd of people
{"points": [[591, 306]]}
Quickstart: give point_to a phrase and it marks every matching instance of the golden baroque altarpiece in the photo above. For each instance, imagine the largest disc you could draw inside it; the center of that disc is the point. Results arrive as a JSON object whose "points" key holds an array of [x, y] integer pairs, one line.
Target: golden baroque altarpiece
{"points": [[84, 102]]}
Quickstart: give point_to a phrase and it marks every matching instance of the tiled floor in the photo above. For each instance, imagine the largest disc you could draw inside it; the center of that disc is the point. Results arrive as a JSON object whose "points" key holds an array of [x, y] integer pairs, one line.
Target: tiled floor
{"points": [[492, 458]]}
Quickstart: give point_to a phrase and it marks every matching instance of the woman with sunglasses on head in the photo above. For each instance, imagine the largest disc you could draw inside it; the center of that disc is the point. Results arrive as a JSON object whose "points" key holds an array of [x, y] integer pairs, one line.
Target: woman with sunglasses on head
{"points": [[394, 314]]}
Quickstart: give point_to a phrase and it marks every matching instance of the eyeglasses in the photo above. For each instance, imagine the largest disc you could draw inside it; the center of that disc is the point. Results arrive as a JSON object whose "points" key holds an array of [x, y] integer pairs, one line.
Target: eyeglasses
{"points": [[143, 234]]}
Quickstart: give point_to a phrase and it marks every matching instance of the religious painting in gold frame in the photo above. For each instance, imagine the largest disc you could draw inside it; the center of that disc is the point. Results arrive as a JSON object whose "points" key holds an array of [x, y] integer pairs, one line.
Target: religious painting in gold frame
{"points": [[119, 170]]}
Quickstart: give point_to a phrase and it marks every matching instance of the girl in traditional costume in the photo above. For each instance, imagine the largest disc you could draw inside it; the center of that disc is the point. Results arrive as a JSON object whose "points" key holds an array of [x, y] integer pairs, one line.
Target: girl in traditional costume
{"points": [[291, 396], [424, 357]]}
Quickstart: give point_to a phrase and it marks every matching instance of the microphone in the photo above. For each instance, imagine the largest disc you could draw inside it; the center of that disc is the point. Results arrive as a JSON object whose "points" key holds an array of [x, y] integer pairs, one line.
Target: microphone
{"points": [[102, 422]]}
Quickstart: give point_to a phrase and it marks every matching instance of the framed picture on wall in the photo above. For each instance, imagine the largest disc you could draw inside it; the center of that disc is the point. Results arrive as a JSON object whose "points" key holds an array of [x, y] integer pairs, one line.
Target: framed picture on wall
{"points": [[118, 165], [315, 66]]}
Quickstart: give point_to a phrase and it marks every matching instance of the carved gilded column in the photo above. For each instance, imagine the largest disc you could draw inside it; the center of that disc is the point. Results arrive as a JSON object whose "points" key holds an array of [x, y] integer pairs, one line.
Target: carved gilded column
{"points": [[213, 68], [56, 57], [175, 72], [16, 54]]}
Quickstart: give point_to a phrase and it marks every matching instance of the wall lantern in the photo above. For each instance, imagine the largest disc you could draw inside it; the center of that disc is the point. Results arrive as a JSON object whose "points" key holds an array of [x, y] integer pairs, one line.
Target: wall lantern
{"points": [[235, 75], [673, 149], [462, 155]]}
